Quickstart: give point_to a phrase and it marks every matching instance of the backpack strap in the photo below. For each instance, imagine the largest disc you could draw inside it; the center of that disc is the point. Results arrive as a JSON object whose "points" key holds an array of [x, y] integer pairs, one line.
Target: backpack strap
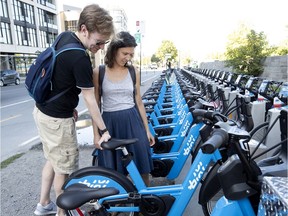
{"points": [[57, 96], [132, 71], [133, 74], [69, 46], [101, 78]]}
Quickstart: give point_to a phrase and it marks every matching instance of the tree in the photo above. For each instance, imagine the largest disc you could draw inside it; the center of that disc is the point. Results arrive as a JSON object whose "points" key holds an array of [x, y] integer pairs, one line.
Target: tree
{"points": [[154, 58], [246, 51], [167, 47]]}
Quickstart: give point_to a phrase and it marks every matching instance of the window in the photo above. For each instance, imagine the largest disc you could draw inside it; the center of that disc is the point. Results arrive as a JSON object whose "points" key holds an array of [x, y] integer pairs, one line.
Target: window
{"points": [[46, 19], [20, 39], [43, 39], [4, 9], [47, 3], [71, 25], [32, 41], [5, 33], [23, 12]]}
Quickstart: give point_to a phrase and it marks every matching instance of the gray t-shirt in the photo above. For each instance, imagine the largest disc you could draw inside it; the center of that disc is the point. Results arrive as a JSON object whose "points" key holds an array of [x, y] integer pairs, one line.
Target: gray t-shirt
{"points": [[117, 95]]}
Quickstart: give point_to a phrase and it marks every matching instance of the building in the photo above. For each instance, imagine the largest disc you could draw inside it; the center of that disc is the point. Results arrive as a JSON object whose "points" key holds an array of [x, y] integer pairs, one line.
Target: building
{"points": [[30, 26], [27, 28]]}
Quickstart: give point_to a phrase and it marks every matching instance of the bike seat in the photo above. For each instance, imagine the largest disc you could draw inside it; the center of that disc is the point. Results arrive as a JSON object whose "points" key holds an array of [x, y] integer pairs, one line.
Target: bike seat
{"points": [[115, 143], [78, 194]]}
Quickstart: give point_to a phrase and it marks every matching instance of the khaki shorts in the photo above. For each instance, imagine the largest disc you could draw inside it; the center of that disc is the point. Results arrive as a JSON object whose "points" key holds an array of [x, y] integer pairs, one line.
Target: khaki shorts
{"points": [[59, 139]]}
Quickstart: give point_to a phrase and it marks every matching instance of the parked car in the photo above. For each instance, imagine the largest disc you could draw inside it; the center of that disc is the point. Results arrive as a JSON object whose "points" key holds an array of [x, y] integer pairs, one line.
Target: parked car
{"points": [[8, 77], [153, 66]]}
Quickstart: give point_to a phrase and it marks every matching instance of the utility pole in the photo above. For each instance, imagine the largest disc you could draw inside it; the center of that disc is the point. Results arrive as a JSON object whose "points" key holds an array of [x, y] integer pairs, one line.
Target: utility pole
{"points": [[140, 27]]}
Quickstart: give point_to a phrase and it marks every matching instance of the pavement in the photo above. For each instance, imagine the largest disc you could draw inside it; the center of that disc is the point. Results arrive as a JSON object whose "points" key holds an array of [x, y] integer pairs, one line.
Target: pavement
{"points": [[20, 180]]}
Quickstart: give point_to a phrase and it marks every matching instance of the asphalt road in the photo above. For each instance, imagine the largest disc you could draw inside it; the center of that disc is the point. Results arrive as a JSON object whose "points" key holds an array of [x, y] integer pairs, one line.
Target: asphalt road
{"points": [[18, 129]]}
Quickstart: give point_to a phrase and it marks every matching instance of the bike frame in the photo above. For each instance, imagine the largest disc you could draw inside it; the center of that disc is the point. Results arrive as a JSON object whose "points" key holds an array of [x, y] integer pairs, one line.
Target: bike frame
{"points": [[181, 156], [182, 192], [233, 207]]}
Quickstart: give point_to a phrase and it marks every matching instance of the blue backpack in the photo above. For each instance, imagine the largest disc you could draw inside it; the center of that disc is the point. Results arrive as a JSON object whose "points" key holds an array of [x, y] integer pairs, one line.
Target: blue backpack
{"points": [[39, 78]]}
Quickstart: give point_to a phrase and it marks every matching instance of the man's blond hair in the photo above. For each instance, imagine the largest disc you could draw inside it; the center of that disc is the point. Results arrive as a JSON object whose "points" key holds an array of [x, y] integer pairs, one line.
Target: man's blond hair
{"points": [[96, 19]]}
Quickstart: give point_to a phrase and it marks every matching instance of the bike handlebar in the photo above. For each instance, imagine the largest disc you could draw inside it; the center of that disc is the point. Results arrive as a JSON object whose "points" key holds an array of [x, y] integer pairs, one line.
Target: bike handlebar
{"points": [[211, 115], [218, 138]]}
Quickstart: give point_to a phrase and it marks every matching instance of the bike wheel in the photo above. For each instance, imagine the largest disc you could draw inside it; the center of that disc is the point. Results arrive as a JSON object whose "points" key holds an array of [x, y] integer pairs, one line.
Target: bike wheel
{"points": [[99, 177], [258, 133]]}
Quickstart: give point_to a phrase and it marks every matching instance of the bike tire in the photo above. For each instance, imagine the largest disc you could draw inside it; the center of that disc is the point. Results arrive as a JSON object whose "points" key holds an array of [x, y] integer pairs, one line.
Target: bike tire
{"points": [[113, 179], [259, 132], [208, 207], [210, 191]]}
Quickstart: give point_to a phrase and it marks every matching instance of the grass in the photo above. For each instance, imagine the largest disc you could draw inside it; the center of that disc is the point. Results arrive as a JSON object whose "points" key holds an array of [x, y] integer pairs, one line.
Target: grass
{"points": [[10, 160]]}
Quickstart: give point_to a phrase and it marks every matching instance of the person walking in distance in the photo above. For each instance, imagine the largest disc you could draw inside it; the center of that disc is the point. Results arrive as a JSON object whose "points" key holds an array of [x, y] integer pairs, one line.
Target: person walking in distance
{"points": [[123, 111], [56, 120]]}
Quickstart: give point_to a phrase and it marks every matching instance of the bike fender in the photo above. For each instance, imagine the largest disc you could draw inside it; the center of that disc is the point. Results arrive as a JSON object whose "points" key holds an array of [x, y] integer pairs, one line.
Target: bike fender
{"points": [[210, 186]]}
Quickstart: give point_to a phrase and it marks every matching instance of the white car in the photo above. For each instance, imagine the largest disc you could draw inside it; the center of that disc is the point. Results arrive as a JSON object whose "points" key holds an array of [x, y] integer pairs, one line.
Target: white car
{"points": [[153, 66]]}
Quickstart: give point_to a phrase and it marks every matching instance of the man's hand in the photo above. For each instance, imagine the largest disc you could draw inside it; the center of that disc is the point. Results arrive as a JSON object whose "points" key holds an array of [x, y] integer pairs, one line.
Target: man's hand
{"points": [[75, 115]]}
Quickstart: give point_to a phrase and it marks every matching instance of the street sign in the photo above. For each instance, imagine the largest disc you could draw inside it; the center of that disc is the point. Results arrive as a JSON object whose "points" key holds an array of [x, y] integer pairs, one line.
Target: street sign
{"points": [[138, 37]]}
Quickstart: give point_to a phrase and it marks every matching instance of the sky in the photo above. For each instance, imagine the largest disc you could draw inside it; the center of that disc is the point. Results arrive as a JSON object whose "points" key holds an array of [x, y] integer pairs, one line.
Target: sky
{"points": [[199, 27]]}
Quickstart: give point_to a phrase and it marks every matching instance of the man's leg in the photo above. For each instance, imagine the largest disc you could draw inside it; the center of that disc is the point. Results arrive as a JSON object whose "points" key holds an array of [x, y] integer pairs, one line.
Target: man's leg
{"points": [[59, 180], [46, 206], [46, 184]]}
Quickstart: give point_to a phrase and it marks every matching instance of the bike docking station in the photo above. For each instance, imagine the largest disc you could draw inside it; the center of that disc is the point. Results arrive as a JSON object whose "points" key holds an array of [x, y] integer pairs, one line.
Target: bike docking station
{"points": [[211, 117]]}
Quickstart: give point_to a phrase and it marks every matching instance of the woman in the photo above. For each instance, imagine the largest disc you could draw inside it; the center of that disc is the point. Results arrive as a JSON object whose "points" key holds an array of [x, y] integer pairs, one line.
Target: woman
{"points": [[123, 111]]}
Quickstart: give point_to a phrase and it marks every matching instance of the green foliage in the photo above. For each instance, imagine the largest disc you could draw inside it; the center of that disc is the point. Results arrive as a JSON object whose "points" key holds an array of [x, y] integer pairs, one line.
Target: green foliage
{"points": [[187, 61], [167, 47], [280, 50], [154, 58], [246, 52]]}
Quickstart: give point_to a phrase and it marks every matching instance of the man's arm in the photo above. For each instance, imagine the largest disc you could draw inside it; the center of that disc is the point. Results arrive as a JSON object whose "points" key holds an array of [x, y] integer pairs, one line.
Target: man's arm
{"points": [[97, 121]]}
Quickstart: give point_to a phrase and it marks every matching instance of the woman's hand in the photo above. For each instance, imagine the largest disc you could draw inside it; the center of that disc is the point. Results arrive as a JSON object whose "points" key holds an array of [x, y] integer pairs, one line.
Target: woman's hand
{"points": [[104, 138], [151, 138], [96, 140]]}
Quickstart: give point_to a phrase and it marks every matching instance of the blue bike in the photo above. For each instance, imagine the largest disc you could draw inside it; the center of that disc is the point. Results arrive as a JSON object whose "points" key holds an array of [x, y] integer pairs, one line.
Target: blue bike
{"points": [[134, 196]]}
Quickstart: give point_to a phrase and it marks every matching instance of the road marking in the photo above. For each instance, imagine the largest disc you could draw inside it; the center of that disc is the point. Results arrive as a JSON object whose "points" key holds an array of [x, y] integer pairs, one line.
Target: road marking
{"points": [[29, 141], [7, 119], [15, 104]]}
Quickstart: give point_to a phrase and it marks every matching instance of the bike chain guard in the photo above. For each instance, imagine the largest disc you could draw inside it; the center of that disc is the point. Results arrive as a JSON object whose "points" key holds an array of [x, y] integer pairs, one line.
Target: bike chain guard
{"points": [[152, 205], [161, 167], [162, 146]]}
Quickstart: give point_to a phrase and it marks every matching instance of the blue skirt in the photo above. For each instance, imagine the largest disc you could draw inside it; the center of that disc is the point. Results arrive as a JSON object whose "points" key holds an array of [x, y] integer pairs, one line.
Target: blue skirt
{"points": [[126, 124]]}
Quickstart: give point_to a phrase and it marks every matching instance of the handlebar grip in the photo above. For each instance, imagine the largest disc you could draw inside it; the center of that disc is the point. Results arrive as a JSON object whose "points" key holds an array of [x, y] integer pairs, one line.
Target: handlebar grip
{"points": [[197, 105], [199, 113], [217, 139]]}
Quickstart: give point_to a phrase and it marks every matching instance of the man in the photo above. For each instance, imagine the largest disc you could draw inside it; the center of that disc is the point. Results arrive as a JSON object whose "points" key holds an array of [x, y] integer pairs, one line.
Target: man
{"points": [[56, 120]]}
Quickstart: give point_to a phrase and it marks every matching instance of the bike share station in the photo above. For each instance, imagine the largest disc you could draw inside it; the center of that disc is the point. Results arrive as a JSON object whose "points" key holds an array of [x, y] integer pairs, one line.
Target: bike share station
{"points": [[233, 128]]}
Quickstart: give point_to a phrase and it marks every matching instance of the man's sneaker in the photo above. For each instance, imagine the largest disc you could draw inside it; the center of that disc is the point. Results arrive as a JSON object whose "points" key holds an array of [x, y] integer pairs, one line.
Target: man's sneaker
{"points": [[51, 208]]}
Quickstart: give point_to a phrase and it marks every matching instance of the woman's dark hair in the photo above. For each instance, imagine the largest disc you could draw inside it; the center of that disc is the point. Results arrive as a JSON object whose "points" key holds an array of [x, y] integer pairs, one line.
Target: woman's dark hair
{"points": [[122, 39]]}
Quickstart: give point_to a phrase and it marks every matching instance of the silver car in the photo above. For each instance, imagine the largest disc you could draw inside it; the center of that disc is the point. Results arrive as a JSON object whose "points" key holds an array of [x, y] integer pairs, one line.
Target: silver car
{"points": [[9, 77]]}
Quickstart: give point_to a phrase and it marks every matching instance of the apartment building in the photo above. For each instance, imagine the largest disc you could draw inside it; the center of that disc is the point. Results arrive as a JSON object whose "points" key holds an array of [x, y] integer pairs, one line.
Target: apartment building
{"points": [[30, 26], [27, 28]]}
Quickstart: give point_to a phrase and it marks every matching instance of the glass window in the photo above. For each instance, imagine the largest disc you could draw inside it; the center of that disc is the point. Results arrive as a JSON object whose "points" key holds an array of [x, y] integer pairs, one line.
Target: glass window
{"points": [[71, 25], [32, 41], [5, 33], [4, 9], [23, 12]]}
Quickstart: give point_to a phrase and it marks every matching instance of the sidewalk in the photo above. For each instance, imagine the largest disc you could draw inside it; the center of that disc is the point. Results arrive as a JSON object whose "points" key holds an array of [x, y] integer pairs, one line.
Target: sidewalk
{"points": [[20, 181]]}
